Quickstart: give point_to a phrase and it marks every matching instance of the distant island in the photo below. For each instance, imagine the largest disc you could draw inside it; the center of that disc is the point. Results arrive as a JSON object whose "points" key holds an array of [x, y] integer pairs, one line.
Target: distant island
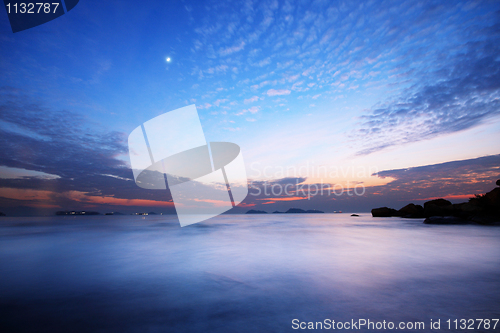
{"points": [[290, 211], [2, 214], [253, 211], [67, 212], [482, 209]]}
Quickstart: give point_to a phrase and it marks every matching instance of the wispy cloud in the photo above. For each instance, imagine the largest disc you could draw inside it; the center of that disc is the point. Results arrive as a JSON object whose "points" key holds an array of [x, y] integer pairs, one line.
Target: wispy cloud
{"points": [[91, 164], [204, 106], [278, 92], [462, 93], [220, 101], [253, 109], [232, 49], [251, 99]]}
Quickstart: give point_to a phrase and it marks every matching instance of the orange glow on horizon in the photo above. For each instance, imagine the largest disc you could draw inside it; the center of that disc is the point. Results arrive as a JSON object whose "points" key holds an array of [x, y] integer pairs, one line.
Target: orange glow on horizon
{"points": [[48, 198], [82, 197], [284, 199], [458, 196]]}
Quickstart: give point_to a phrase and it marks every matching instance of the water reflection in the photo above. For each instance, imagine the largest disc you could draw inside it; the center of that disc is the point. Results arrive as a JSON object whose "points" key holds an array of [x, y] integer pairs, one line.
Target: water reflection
{"points": [[241, 273]]}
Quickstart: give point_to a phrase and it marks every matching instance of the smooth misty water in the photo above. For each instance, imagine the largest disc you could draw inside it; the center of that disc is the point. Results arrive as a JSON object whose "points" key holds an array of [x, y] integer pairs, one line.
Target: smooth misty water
{"points": [[240, 273]]}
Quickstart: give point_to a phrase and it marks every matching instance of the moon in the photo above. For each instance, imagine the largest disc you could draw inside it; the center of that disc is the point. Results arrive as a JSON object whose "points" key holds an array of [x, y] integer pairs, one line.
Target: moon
{"points": [[168, 59]]}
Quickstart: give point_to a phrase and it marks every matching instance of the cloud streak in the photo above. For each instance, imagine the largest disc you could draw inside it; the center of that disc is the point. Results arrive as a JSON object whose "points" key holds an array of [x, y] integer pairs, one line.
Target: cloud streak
{"points": [[278, 92]]}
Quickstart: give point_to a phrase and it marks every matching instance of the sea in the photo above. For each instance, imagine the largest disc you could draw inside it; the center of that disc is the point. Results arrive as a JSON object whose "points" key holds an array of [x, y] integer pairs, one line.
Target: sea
{"points": [[246, 273]]}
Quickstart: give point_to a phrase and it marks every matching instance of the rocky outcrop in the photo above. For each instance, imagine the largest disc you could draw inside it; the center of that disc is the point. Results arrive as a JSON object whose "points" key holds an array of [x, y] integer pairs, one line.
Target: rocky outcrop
{"points": [[445, 220], [437, 202], [411, 211], [383, 212], [253, 211], [354, 215], [438, 207], [482, 209]]}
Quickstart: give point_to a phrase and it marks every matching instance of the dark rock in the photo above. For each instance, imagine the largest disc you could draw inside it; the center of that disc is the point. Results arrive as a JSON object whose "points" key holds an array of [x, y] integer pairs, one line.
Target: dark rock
{"points": [[438, 207], [482, 209], [498, 182], [486, 207], [383, 212], [253, 211], [493, 198], [437, 202], [466, 209], [411, 211], [445, 220], [486, 219], [354, 215]]}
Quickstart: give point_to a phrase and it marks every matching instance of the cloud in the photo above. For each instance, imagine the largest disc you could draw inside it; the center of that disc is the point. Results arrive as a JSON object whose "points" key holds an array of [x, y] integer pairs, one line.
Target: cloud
{"points": [[232, 49], [204, 106], [253, 109], [297, 86], [278, 92], [232, 129], [456, 180], [264, 62], [216, 69], [220, 101], [450, 179], [63, 144], [463, 92], [251, 99]]}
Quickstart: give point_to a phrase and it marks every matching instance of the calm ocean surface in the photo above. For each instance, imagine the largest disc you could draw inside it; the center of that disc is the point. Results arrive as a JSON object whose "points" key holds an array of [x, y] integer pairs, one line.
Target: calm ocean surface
{"points": [[241, 273]]}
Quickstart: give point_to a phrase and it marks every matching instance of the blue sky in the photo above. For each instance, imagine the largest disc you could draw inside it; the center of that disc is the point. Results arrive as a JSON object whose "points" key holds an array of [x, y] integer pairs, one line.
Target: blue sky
{"points": [[370, 84]]}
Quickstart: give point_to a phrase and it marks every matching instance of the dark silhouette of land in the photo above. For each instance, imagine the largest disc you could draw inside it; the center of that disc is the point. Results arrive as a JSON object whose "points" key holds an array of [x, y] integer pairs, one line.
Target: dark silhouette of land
{"points": [[482, 209], [254, 211]]}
